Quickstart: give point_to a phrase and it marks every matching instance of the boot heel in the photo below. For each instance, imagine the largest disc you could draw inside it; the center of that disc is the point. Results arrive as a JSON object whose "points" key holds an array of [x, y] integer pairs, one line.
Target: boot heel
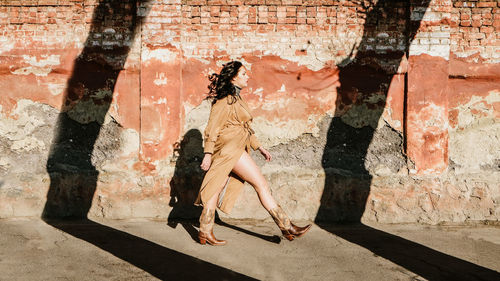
{"points": [[287, 235]]}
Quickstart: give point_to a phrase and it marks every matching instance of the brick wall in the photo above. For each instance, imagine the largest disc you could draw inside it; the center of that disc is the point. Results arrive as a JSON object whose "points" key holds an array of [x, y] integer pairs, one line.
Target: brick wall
{"points": [[348, 96], [474, 29]]}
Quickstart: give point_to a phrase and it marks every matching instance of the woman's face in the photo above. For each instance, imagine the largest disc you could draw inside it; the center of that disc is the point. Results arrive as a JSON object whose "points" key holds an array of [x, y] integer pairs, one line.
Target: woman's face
{"points": [[241, 79]]}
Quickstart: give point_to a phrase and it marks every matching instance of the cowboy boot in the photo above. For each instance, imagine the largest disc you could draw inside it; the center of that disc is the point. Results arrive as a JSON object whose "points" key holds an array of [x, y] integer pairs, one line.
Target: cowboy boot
{"points": [[288, 229], [206, 233]]}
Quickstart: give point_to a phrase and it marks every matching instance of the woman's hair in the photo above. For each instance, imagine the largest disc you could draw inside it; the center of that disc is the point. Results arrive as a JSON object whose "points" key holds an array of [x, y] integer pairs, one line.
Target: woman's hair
{"points": [[221, 84]]}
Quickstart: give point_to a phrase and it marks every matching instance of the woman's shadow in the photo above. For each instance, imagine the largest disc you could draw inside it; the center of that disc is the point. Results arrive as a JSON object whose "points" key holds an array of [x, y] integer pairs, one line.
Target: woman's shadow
{"points": [[354, 148], [186, 181], [185, 185]]}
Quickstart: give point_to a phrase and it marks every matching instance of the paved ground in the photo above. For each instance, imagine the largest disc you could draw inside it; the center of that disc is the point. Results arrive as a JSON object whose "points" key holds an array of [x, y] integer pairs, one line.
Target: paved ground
{"points": [[31, 249]]}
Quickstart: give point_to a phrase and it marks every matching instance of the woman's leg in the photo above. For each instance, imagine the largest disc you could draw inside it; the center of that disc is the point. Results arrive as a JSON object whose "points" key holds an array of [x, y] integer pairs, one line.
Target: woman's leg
{"points": [[207, 218], [246, 169]]}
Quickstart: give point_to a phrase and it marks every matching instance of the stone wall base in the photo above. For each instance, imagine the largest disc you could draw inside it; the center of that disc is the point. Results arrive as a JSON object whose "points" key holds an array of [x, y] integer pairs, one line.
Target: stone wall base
{"points": [[306, 194]]}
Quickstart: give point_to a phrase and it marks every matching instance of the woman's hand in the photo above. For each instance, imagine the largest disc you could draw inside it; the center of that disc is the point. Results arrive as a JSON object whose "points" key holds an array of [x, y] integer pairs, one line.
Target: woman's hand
{"points": [[265, 153], [206, 162]]}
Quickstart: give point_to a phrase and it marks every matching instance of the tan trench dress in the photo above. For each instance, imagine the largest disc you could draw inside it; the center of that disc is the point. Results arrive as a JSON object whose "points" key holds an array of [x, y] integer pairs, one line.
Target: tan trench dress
{"points": [[227, 135]]}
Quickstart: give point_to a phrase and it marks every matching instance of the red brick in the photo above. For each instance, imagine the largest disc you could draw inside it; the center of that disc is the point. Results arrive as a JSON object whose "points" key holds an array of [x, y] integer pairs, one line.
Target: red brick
{"points": [[474, 43], [487, 22], [311, 12], [291, 2], [476, 17], [486, 4], [464, 16], [487, 16], [301, 20], [285, 27], [311, 21]]}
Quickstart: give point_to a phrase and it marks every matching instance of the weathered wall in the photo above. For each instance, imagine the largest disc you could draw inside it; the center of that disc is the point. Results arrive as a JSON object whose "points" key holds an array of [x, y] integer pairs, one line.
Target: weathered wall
{"points": [[373, 110]]}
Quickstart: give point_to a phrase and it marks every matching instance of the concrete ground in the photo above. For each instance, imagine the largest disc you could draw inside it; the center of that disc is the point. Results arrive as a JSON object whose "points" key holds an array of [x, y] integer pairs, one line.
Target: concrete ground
{"points": [[32, 249]]}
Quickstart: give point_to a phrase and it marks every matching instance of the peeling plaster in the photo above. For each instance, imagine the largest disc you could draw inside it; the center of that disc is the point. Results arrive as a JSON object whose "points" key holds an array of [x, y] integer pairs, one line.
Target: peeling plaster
{"points": [[387, 115], [161, 79], [22, 123], [474, 143], [56, 89], [40, 67], [28, 144], [431, 116], [4, 162], [442, 51], [466, 116], [162, 55], [161, 101], [429, 138], [130, 140], [282, 89], [6, 44], [343, 40], [493, 97], [477, 56], [275, 104], [477, 149], [197, 117], [272, 133], [258, 92]]}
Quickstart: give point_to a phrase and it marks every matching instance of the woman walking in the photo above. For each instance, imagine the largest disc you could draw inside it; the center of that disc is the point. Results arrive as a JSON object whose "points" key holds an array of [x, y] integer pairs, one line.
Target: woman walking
{"points": [[228, 139]]}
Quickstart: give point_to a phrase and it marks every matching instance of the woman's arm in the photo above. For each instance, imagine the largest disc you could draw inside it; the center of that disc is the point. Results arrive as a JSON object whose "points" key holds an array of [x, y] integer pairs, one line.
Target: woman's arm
{"points": [[255, 144], [218, 117]]}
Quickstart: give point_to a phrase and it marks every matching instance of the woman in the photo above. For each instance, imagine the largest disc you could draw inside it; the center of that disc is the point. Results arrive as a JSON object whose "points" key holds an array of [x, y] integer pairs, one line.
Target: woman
{"points": [[228, 138]]}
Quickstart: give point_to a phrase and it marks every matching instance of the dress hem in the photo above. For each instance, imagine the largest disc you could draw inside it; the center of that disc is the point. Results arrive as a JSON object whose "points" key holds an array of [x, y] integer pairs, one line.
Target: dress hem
{"points": [[200, 199]]}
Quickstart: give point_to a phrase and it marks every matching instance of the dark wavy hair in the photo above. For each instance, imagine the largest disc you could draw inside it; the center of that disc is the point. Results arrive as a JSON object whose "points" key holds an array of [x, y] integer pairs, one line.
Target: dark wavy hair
{"points": [[221, 84]]}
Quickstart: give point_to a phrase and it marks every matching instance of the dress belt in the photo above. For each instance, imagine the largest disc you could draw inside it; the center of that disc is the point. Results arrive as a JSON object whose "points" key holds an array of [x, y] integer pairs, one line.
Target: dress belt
{"points": [[245, 125]]}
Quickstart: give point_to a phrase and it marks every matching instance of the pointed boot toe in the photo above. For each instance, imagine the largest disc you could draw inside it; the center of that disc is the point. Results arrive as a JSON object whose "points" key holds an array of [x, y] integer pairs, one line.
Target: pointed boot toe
{"points": [[298, 231]]}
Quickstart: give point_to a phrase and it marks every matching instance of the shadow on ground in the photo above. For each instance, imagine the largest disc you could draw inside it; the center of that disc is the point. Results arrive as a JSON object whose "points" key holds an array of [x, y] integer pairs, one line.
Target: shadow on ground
{"points": [[157, 260], [352, 142], [419, 259]]}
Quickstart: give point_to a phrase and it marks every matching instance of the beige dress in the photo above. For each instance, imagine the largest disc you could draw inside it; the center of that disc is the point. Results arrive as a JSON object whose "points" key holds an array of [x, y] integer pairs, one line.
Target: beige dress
{"points": [[227, 135]]}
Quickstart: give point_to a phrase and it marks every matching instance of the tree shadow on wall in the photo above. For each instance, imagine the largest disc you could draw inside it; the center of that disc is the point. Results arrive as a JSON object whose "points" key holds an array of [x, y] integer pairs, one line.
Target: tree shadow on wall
{"points": [[355, 150], [185, 185], [84, 139]]}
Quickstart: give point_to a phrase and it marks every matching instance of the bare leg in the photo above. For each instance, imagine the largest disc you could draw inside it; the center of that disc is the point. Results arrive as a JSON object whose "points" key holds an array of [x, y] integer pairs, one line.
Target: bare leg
{"points": [[246, 169]]}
